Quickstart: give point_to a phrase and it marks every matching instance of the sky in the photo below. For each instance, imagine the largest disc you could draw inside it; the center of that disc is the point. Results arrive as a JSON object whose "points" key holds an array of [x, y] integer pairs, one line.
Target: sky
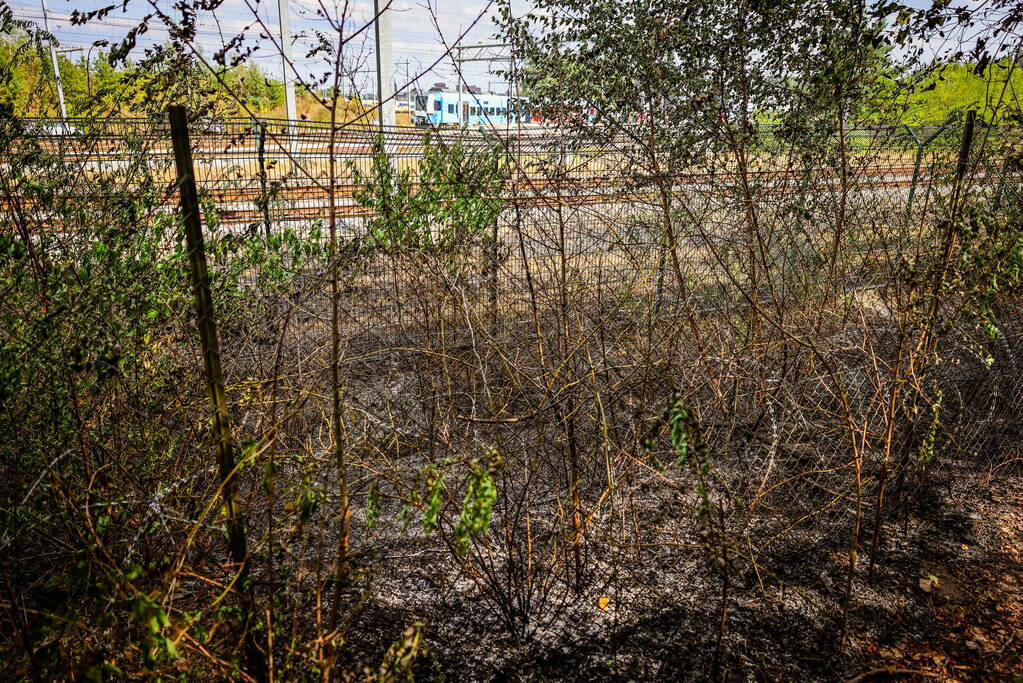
{"points": [[420, 29]]}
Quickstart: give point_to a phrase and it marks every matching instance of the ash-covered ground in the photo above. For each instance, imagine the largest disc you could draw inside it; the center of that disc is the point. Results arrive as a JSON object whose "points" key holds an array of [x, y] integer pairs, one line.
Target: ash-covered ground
{"points": [[946, 603]]}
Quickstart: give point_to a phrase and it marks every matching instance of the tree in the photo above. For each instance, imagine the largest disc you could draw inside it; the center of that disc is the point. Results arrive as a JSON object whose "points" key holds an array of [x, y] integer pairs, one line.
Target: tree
{"points": [[693, 73]]}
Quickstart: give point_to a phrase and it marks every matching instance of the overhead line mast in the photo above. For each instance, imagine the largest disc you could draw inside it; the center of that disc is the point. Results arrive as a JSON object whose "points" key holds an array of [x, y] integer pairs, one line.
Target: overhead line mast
{"points": [[284, 15], [459, 60], [56, 64], [385, 64]]}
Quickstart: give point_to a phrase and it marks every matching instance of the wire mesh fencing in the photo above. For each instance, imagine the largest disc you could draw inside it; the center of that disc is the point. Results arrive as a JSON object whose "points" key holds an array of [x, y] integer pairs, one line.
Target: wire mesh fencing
{"points": [[568, 371]]}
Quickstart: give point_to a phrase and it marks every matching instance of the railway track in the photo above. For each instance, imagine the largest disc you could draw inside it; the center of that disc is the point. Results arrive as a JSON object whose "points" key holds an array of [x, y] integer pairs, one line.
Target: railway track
{"points": [[277, 189], [307, 213], [299, 200]]}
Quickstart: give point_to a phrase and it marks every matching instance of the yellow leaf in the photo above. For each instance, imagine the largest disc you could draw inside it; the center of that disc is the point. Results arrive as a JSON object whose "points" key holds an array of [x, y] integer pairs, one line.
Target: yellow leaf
{"points": [[603, 602]]}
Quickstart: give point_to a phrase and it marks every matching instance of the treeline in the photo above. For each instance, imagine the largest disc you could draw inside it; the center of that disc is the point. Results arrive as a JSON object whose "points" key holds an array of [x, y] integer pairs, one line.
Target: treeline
{"points": [[93, 87], [933, 94]]}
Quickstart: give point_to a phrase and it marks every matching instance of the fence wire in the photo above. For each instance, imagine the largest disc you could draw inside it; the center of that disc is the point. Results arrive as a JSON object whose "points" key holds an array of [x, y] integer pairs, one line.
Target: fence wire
{"points": [[818, 316]]}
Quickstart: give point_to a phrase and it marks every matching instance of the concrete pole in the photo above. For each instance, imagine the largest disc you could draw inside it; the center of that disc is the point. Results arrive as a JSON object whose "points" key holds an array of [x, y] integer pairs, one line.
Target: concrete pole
{"points": [[385, 64], [283, 13], [56, 65]]}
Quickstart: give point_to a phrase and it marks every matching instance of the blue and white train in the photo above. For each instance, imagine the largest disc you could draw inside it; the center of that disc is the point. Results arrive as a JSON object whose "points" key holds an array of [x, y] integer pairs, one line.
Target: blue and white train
{"points": [[441, 108]]}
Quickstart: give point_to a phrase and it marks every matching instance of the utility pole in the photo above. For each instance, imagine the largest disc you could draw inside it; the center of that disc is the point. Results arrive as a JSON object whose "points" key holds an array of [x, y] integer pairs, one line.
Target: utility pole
{"points": [[408, 90], [385, 64], [283, 13], [56, 65], [458, 79]]}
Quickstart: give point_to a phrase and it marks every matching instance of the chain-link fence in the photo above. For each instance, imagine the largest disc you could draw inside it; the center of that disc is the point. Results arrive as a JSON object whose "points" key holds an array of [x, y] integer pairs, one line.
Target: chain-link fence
{"points": [[738, 371]]}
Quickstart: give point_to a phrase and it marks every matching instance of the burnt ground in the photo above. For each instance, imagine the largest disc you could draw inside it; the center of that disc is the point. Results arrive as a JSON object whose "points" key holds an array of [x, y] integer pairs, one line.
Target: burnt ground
{"points": [[965, 590], [946, 604]]}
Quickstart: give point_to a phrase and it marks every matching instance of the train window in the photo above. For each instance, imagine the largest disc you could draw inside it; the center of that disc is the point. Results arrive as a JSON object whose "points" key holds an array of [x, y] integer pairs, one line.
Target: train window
{"points": [[436, 105], [451, 109]]}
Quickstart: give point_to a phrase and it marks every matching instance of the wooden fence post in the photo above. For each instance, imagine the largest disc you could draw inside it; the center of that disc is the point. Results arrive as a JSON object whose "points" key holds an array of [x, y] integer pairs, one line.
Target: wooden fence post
{"points": [[191, 218]]}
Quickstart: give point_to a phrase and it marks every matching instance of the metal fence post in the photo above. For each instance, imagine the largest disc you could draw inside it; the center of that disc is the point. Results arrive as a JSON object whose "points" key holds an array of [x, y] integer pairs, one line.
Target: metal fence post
{"points": [[920, 146], [494, 266], [190, 215], [996, 204], [264, 199], [962, 164], [916, 171], [804, 186]]}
